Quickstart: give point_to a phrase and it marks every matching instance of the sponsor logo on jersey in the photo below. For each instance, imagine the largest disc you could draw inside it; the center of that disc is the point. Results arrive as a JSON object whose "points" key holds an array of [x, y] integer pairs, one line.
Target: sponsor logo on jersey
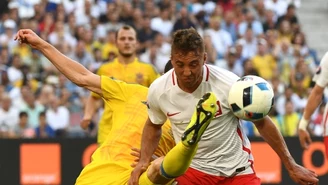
{"points": [[172, 114]]}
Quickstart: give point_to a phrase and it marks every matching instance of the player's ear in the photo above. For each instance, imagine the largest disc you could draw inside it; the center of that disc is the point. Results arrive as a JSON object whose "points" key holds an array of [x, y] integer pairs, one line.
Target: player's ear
{"points": [[205, 58]]}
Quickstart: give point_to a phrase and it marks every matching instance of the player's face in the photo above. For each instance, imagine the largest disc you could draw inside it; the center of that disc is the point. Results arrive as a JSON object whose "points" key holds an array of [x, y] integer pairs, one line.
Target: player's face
{"points": [[188, 67], [126, 42]]}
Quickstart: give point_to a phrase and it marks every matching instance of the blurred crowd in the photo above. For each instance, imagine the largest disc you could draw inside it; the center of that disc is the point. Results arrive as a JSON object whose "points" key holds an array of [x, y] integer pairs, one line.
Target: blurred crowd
{"points": [[258, 37]]}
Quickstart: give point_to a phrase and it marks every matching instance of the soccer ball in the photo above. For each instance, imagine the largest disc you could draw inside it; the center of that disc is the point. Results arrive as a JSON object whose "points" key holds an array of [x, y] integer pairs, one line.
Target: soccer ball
{"points": [[251, 98]]}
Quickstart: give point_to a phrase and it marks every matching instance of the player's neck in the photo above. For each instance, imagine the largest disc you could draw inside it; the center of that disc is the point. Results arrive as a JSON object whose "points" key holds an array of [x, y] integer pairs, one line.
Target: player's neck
{"points": [[126, 60]]}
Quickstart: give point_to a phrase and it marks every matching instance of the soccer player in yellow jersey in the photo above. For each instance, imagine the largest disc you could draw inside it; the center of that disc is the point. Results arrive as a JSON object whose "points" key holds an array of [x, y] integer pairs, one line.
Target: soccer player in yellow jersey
{"points": [[125, 67], [110, 162], [128, 120]]}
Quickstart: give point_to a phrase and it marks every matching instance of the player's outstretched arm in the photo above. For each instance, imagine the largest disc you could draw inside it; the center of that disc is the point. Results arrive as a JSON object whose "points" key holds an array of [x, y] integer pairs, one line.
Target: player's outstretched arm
{"points": [[150, 138], [272, 136], [74, 71], [313, 102]]}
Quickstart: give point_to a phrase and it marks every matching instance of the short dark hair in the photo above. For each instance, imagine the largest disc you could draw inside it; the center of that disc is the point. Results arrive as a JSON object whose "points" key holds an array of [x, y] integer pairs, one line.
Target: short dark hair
{"points": [[168, 66], [125, 27], [43, 114], [187, 40], [22, 114], [291, 6]]}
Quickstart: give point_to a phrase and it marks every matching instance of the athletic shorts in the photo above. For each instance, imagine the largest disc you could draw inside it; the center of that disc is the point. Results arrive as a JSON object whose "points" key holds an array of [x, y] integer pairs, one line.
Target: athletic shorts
{"points": [[195, 177]]}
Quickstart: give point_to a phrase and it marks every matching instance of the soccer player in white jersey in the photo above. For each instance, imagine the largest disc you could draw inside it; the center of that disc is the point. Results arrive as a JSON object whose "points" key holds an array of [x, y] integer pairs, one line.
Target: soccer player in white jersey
{"points": [[315, 99], [224, 154]]}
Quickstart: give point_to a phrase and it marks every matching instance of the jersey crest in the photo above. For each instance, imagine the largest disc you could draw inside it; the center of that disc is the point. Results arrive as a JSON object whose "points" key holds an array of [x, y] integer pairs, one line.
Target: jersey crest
{"points": [[139, 78], [219, 111]]}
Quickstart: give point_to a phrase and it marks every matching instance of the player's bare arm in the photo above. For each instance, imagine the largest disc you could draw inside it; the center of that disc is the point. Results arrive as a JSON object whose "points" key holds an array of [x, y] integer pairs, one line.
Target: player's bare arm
{"points": [[315, 98], [150, 138], [73, 70], [89, 110], [272, 136]]}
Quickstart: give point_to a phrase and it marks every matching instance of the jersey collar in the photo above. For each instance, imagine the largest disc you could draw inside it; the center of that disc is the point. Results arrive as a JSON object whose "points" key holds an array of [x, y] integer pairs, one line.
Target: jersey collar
{"points": [[132, 63]]}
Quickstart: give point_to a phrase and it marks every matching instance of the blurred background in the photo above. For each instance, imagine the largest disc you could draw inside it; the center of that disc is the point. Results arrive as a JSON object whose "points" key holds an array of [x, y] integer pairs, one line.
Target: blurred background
{"points": [[279, 40]]}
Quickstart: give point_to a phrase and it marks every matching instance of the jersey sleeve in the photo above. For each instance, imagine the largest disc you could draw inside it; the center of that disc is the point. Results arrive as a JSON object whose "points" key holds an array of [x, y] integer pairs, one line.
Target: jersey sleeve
{"points": [[156, 115], [321, 75]]}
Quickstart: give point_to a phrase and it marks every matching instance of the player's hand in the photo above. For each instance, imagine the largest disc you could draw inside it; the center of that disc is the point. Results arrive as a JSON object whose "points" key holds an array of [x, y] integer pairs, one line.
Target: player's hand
{"points": [[135, 174], [303, 176], [136, 153], [85, 123], [304, 138], [27, 36]]}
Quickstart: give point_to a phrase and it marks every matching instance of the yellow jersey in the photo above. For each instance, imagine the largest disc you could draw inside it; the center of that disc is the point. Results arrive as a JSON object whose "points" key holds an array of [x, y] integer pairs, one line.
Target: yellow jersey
{"points": [[265, 65], [111, 161], [135, 72]]}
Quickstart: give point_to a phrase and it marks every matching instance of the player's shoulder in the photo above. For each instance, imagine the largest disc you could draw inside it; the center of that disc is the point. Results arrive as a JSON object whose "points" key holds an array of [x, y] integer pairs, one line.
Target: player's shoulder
{"points": [[147, 65], [324, 60]]}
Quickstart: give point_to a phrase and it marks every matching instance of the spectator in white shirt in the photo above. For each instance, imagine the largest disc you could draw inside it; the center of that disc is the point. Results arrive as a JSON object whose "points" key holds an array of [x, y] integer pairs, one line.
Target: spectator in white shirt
{"points": [[232, 63], [250, 21], [59, 36], [14, 71], [57, 117], [7, 38], [278, 6], [8, 113], [249, 44], [289, 95], [162, 24], [221, 39]]}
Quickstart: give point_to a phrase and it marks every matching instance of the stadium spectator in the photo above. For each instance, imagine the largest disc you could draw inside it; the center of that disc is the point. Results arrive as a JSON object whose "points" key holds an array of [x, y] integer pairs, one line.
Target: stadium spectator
{"points": [[158, 53], [184, 20], [221, 39], [289, 16], [290, 120], [162, 23], [8, 113], [22, 129], [231, 62], [264, 62], [250, 22], [81, 54], [57, 117], [32, 108], [145, 35], [44, 130]]}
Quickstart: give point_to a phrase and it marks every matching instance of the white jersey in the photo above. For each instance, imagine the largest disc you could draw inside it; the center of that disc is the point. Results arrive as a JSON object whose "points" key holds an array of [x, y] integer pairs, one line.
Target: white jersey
{"points": [[321, 79], [224, 147]]}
